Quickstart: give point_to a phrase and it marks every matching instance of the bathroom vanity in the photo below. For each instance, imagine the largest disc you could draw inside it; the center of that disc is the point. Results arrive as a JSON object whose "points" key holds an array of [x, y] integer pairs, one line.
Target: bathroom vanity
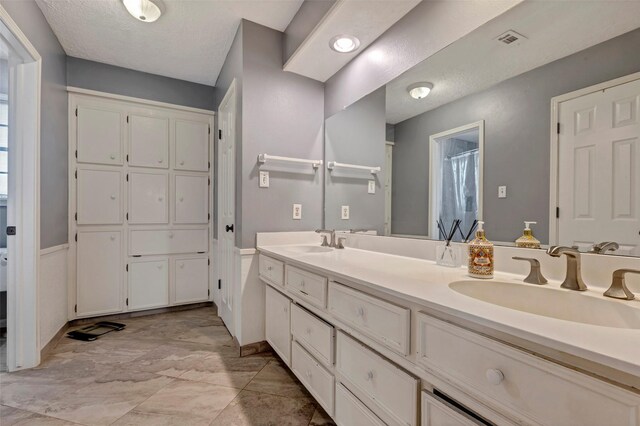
{"points": [[381, 338]]}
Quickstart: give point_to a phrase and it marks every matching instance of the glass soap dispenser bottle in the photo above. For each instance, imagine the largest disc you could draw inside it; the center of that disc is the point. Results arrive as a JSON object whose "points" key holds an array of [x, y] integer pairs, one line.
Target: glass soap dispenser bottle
{"points": [[480, 255], [528, 240]]}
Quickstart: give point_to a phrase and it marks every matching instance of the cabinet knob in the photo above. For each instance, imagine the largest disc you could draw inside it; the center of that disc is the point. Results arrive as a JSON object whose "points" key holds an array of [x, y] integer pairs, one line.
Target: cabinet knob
{"points": [[182, 266], [182, 163], [113, 197], [370, 376], [284, 309], [113, 238], [269, 268], [494, 376], [160, 161], [160, 198], [112, 156], [308, 374], [171, 235], [181, 199], [302, 283], [159, 266]]}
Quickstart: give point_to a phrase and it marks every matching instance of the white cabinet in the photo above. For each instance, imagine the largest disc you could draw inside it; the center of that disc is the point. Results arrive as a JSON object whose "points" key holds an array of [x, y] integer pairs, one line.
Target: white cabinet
{"points": [[278, 323], [191, 145], [99, 135], [144, 242], [191, 199], [314, 334], [148, 198], [191, 279], [271, 270], [436, 412], [351, 412], [99, 197], [319, 382], [148, 283], [148, 141], [99, 273]]}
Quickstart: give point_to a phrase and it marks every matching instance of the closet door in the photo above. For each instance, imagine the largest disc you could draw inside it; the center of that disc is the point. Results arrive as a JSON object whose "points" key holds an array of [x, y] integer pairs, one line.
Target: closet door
{"points": [[148, 141], [191, 279], [191, 199], [191, 146], [99, 197], [148, 283], [99, 135], [99, 272], [148, 198]]}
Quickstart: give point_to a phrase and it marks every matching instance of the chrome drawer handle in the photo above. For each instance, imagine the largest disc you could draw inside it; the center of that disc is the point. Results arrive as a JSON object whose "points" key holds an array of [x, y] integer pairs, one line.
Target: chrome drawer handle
{"points": [[494, 376], [370, 376]]}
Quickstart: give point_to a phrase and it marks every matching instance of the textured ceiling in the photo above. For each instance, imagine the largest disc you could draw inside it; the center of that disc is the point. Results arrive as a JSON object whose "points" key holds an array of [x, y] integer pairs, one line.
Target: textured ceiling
{"points": [[189, 42], [554, 29]]}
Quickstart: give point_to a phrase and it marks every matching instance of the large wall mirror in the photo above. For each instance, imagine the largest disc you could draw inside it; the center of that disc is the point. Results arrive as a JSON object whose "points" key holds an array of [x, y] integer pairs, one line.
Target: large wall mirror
{"points": [[535, 116]]}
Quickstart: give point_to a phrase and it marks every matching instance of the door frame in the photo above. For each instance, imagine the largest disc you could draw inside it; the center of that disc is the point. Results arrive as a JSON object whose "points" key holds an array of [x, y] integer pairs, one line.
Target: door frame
{"points": [[554, 171], [23, 206]]}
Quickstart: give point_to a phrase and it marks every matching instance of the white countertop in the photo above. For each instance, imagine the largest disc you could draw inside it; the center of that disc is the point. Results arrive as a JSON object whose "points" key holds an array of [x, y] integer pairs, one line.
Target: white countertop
{"points": [[427, 284]]}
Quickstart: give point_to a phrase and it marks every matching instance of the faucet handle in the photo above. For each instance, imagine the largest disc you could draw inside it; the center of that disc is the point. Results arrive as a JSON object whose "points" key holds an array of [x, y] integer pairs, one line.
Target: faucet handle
{"points": [[535, 274], [618, 288], [325, 243], [340, 243]]}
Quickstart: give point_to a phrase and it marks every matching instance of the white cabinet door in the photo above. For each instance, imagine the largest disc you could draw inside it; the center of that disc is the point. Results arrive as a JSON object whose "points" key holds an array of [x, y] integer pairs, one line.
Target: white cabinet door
{"points": [[99, 273], [148, 198], [191, 199], [278, 323], [148, 141], [99, 197], [99, 135], [148, 283], [191, 280], [192, 145]]}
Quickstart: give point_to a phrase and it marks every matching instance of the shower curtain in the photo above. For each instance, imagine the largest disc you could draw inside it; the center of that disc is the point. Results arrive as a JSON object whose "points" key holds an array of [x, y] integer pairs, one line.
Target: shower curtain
{"points": [[459, 191]]}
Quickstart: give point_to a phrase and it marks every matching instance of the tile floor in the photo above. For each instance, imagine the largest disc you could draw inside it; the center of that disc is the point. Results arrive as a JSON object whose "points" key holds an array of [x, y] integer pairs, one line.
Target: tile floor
{"points": [[179, 368]]}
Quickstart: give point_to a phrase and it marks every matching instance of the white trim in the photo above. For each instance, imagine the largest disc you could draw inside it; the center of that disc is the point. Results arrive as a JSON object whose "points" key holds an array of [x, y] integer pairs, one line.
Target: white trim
{"points": [[389, 143], [554, 140], [432, 178], [19, 35], [247, 251], [54, 249], [148, 102]]}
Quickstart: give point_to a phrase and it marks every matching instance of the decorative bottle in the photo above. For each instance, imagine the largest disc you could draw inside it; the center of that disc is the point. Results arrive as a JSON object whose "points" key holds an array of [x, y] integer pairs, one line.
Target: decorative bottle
{"points": [[481, 255]]}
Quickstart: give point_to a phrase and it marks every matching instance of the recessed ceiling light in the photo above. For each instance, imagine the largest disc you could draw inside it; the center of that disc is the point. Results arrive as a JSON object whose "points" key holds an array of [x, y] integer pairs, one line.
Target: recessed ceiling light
{"points": [[344, 43], [143, 10], [419, 90]]}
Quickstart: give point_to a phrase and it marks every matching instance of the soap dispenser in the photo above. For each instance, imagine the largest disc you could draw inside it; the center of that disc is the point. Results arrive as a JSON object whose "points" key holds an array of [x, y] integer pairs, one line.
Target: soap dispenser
{"points": [[528, 240], [480, 255]]}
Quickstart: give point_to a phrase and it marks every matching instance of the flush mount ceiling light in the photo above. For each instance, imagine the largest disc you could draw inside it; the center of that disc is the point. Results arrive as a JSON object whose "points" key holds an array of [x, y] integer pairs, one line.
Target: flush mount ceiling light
{"points": [[143, 10], [344, 43], [419, 90]]}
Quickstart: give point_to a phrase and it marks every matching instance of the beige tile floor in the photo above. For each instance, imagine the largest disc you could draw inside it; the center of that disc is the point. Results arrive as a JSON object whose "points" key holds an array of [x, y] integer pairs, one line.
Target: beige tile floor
{"points": [[179, 368]]}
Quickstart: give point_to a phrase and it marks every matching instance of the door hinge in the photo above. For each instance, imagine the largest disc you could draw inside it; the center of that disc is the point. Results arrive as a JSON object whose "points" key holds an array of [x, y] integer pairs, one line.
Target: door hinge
{"points": [[76, 153], [136, 255], [127, 267], [127, 216], [220, 134], [76, 111], [127, 158], [76, 174], [76, 237], [219, 284], [209, 129], [208, 216], [201, 252], [558, 128], [127, 177], [208, 292], [208, 261], [127, 301], [76, 216], [209, 182], [557, 212], [209, 165], [127, 118], [75, 309]]}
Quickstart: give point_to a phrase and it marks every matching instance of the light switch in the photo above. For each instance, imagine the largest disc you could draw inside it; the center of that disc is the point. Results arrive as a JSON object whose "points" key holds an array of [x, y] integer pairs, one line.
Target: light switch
{"points": [[264, 179], [297, 211], [502, 192], [372, 187], [345, 212]]}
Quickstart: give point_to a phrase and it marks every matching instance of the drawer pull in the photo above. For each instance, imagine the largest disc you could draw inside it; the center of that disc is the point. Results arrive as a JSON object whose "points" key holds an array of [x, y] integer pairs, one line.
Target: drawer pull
{"points": [[112, 156], [285, 309], [304, 292], [160, 161], [370, 376], [494, 376], [113, 197], [360, 312], [170, 234], [308, 374], [269, 268], [302, 283], [308, 330]]}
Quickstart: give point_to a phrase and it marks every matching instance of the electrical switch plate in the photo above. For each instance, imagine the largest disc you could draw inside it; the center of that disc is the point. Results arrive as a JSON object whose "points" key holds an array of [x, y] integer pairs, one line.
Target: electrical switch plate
{"points": [[372, 187], [297, 211], [264, 179], [502, 192], [345, 212]]}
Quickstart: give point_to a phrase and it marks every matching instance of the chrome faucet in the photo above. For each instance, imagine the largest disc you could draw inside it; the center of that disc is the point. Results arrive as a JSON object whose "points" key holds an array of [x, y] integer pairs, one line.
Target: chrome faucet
{"points": [[602, 248], [331, 232], [573, 280], [618, 289], [355, 231]]}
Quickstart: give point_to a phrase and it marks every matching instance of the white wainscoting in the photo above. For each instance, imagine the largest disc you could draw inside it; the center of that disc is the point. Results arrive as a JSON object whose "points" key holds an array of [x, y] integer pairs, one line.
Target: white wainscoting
{"points": [[52, 292], [249, 301]]}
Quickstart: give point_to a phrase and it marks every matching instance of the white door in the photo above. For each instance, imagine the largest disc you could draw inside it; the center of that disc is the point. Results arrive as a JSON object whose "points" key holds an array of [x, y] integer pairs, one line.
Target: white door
{"points": [[388, 167], [226, 205], [191, 280], [148, 283], [192, 145], [599, 169], [148, 198], [99, 197], [278, 323], [99, 135], [148, 141], [191, 199], [99, 273]]}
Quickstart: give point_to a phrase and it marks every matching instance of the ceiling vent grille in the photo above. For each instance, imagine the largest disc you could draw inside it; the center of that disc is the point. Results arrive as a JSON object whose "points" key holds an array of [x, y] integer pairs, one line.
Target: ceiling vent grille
{"points": [[511, 37]]}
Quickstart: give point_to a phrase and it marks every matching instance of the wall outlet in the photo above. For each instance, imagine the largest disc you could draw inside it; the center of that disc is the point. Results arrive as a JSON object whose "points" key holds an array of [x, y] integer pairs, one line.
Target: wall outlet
{"points": [[264, 179], [372, 187], [345, 212], [297, 211], [502, 192]]}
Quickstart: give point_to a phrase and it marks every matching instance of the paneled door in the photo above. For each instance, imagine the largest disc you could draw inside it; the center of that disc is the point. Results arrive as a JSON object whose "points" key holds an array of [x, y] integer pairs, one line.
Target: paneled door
{"points": [[100, 135], [226, 205], [148, 141], [599, 168]]}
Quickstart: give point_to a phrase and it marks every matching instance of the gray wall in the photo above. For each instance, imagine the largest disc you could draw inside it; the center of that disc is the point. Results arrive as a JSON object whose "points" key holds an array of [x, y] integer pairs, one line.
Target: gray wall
{"points": [[517, 147], [283, 114], [304, 21], [53, 117], [122, 81], [356, 136]]}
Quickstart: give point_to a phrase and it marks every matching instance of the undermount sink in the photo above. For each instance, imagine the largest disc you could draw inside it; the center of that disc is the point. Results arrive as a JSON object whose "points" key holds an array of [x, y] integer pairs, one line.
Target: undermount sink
{"points": [[305, 249], [561, 304]]}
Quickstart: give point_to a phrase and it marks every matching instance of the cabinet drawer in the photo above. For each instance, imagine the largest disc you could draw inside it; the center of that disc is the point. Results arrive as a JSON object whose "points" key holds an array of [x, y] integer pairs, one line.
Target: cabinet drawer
{"points": [[148, 242], [519, 383], [436, 412], [307, 286], [393, 393], [314, 334], [271, 270], [318, 381], [351, 412], [385, 322]]}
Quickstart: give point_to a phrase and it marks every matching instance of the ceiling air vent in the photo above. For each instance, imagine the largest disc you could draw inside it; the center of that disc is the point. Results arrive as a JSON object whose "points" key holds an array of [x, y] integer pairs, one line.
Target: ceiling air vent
{"points": [[510, 37]]}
